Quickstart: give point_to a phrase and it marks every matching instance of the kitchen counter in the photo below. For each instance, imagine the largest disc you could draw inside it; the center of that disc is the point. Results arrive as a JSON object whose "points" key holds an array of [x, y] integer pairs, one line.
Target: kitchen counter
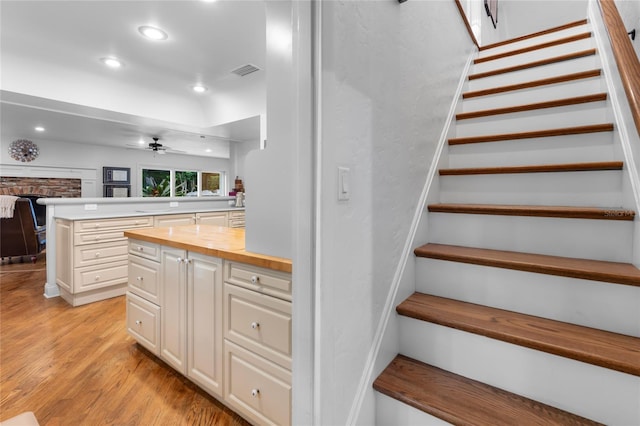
{"points": [[219, 241]]}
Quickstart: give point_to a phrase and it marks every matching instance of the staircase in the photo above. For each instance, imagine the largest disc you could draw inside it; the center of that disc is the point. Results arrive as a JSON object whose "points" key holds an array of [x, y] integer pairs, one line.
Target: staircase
{"points": [[527, 306]]}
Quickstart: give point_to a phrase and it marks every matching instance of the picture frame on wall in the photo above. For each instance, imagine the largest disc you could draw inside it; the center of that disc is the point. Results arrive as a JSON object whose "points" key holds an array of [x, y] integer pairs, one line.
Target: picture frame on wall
{"points": [[116, 175], [117, 191]]}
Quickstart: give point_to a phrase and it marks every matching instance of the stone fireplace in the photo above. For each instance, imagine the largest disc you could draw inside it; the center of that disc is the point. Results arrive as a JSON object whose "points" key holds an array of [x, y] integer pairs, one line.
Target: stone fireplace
{"points": [[44, 187]]}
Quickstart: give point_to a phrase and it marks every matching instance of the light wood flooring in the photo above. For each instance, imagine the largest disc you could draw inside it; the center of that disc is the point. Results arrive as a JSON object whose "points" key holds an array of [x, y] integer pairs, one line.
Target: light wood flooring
{"points": [[78, 366]]}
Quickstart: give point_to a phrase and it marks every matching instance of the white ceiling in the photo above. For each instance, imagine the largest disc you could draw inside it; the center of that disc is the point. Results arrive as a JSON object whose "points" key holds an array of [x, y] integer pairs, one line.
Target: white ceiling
{"points": [[207, 40]]}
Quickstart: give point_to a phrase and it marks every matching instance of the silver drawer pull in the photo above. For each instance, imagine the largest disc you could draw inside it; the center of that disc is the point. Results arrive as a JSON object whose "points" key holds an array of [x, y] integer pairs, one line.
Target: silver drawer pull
{"points": [[255, 279], [255, 392], [139, 278], [140, 248], [255, 325], [187, 261], [179, 260], [138, 322]]}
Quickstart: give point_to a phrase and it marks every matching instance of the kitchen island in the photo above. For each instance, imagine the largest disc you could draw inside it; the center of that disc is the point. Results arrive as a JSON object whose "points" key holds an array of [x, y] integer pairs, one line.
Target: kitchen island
{"points": [[219, 315]]}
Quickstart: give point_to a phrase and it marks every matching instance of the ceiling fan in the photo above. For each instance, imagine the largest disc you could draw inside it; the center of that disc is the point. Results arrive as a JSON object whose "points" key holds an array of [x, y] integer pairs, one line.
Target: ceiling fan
{"points": [[157, 147]]}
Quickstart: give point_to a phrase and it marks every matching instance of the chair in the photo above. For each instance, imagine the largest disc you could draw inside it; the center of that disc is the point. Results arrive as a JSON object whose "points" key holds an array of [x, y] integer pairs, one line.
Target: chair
{"points": [[20, 235]]}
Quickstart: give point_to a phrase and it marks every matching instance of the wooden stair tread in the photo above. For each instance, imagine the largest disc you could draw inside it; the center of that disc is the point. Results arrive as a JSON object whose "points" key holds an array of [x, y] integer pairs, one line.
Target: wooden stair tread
{"points": [[539, 46], [535, 168], [593, 128], [595, 270], [602, 348], [568, 212], [533, 35], [547, 61], [597, 97], [535, 83], [459, 400]]}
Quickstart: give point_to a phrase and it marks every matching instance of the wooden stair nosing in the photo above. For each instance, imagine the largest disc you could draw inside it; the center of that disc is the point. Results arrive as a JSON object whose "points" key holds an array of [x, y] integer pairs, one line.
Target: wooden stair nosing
{"points": [[597, 97], [562, 58], [564, 212], [460, 400], [533, 35], [552, 43], [587, 269], [540, 168], [536, 83], [614, 351], [593, 128]]}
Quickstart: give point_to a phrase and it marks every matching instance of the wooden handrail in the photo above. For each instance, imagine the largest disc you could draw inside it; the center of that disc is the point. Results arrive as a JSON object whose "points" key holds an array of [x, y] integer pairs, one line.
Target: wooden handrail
{"points": [[466, 23], [625, 55]]}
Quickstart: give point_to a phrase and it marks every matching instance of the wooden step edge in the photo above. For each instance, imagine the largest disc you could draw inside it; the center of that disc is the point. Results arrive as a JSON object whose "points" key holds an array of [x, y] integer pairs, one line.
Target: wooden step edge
{"points": [[605, 349], [460, 400], [533, 48], [534, 35], [596, 97], [563, 212], [541, 168], [536, 83], [547, 61], [593, 128], [587, 269]]}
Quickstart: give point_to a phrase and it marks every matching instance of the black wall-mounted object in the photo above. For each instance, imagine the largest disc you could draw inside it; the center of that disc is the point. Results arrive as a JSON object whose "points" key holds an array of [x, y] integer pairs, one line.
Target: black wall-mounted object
{"points": [[401, 1], [632, 33], [120, 175]]}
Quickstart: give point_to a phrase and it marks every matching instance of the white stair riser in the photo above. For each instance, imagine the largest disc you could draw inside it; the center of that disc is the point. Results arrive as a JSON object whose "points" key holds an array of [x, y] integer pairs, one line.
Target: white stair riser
{"points": [[591, 147], [606, 306], [535, 55], [590, 391], [391, 412], [536, 40], [596, 189], [540, 119], [545, 93], [589, 239], [536, 73]]}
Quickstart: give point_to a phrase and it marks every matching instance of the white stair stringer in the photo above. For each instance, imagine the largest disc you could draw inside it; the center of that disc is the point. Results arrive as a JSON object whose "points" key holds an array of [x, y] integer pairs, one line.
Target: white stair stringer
{"points": [[584, 189], [535, 40], [603, 305], [590, 391]]}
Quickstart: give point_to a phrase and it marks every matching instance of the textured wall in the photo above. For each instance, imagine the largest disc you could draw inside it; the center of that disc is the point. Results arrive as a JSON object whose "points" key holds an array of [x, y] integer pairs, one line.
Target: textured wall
{"points": [[49, 187], [389, 74]]}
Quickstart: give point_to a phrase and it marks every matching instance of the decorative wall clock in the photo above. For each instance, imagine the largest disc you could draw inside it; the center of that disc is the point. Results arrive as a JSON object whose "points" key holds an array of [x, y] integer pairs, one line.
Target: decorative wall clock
{"points": [[23, 150]]}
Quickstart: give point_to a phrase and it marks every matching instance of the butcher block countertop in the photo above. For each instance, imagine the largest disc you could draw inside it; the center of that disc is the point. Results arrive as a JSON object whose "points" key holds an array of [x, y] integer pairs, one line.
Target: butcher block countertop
{"points": [[217, 241]]}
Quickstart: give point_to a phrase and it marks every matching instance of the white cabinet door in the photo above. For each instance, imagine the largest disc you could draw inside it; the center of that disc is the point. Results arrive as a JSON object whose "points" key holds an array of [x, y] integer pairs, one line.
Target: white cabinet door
{"points": [[173, 324], [174, 220], [204, 322], [212, 218]]}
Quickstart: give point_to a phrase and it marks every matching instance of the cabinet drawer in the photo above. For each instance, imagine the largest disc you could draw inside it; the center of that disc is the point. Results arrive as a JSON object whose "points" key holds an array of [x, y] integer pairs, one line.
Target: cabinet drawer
{"points": [[263, 280], [94, 254], [144, 278], [98, 237], [174, 220], [257, 388], [217, 219], [258, 322], [143, 322], [144, 249], [111, 224], [99, 276]]}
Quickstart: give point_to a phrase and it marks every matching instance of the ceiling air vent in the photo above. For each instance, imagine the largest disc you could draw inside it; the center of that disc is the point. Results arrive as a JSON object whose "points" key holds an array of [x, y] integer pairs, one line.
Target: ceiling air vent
{"points": [[245, 69]]}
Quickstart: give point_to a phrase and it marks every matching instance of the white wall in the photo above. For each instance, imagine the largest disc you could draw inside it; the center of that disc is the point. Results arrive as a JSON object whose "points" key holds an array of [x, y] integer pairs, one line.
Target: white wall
{"points": [[86, 156], [389, 73], [630, 13], [239, 152], [520, 17]]}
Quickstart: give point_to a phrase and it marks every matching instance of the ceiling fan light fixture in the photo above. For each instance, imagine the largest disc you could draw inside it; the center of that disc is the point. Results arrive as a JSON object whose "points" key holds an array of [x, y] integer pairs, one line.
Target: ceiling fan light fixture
{"points": [[112, 62], [39, 129], [153, 33]]}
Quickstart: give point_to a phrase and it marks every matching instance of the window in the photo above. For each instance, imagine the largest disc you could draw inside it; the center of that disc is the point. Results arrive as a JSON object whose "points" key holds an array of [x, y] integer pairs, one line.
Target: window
{"points": [[180, 183]]}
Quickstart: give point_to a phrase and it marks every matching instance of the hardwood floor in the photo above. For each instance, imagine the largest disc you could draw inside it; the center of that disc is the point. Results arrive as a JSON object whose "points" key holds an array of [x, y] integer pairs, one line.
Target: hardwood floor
{"points": [[78, 366]]}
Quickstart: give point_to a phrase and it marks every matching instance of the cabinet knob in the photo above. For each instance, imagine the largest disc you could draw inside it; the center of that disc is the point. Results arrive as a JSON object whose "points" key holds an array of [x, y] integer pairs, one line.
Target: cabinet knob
{"points": [[255, 392], [97, 277], [139, 278], [98, 254], [179, 260], [255, 325], [138, 322], [140, 248], [187, 261], [255, 279]]}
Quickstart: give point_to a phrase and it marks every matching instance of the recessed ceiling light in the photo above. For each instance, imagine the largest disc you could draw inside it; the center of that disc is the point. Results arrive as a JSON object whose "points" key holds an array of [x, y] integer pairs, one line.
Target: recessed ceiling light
{"points": [[199, 88], [39, 129], [207, 150], [112, 62], [153, 33]]}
